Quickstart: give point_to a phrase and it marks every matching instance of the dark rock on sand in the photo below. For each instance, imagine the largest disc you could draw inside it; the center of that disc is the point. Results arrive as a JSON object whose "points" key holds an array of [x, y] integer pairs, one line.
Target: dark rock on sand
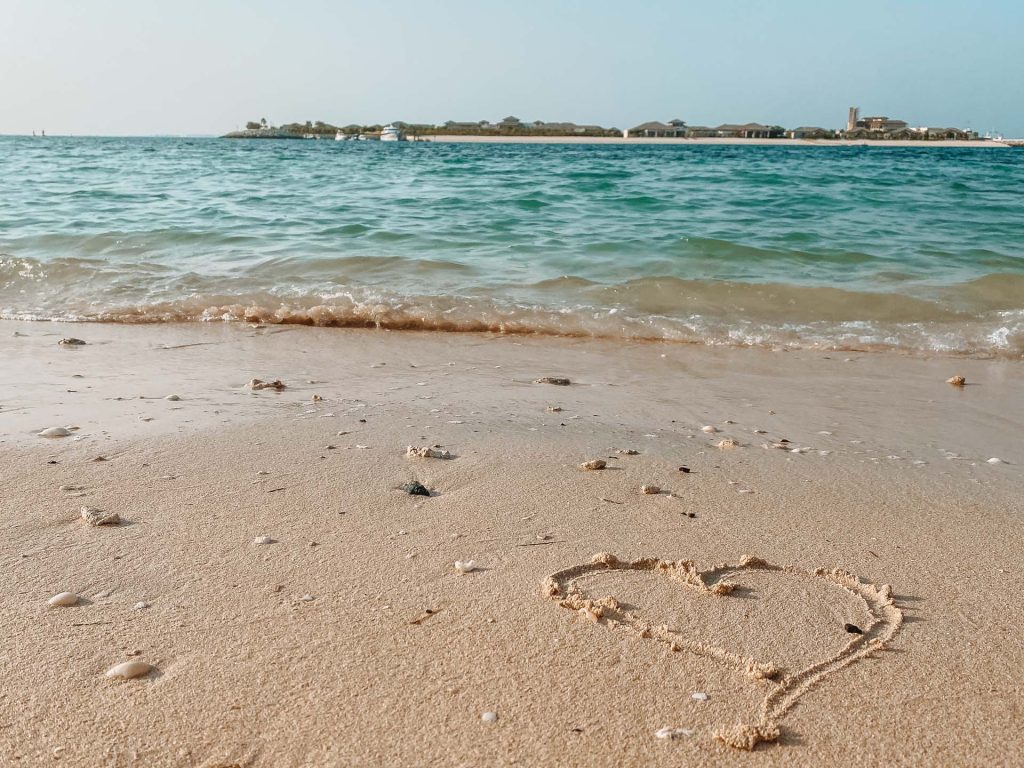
{"points": [[415, 489]]}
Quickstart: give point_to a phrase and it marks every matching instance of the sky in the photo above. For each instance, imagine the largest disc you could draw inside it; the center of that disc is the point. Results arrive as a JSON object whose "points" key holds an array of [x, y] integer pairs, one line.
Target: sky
{"points": [[141, 67]]}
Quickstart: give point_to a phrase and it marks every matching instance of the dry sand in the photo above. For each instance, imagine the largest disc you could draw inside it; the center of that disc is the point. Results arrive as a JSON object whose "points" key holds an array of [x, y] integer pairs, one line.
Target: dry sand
{"points": [[352, 640]]}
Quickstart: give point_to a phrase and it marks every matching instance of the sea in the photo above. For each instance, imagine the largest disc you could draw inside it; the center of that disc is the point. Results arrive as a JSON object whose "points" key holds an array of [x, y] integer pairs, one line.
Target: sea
{"points": [[919, 250]]}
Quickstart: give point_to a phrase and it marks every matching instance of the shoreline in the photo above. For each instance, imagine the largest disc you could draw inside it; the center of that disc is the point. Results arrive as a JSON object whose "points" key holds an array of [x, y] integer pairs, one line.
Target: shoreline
{"points": [[353, 621], [442, 139]]}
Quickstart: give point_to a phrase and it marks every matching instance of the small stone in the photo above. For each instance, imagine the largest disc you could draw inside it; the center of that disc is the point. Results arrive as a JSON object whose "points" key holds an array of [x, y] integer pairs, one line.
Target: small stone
{"points": [[594, 464], [628, 452], [94, 516], [317, 399], [71, 342], [650, 490], [465, 566], [140, 606], [55, 432], [996, 460], [558, 381], [63, 600], [728, 443], [489, 717], [957, 381], [307, 598], [853, 629], [710, 430], [554, 409], [262, 540], [685, 470], [699, 696], [130, 669], [427, 452], [416, 489], [173, 398]]}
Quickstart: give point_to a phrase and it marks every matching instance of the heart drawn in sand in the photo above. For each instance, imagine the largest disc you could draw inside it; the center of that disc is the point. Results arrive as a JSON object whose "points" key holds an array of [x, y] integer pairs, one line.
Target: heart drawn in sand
{"points": [[783, 687]]}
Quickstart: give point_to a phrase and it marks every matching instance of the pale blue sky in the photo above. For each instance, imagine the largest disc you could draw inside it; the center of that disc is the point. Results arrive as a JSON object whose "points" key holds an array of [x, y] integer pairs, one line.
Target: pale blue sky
{"points": [[206, 66]]}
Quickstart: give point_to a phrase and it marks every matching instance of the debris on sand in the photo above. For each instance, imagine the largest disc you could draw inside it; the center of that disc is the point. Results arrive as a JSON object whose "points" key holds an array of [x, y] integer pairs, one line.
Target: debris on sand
{"points": [[262, 540], [71, 342], [650, 490], [728, 443], [672, 733], [429, 452], [465, 566], [747, 736], [594, 464], [130, 669], [628, 452], [425, 615], [94, 516], [489, 717], [685, 470], [957, 381], [699, 696], [173, 398], [416, 489], [709, 430], [558, 381], [55, 432], [554, 409], [63, 600], [995, 460], [853, 629], [257, 384]]}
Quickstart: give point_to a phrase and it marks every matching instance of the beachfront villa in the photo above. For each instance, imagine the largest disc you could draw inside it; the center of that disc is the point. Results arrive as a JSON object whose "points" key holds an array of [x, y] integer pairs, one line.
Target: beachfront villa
{"points": [[673, 129]]}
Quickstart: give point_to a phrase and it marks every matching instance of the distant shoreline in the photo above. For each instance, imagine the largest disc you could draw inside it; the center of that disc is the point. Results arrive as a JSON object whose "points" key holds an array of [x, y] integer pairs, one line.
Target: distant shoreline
{"points": [[452, 139]]}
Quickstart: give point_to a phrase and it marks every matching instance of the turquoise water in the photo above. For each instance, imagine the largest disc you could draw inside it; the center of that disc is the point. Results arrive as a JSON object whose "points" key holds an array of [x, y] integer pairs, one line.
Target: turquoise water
{"points": [[850, 247]]}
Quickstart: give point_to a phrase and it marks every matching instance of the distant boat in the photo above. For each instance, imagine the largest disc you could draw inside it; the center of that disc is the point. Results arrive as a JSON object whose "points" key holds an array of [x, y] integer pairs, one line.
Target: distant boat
{"points": [[391, 133], [339, 136]]}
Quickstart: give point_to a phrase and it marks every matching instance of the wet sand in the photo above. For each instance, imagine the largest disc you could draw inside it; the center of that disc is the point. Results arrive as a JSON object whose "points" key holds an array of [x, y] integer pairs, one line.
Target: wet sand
{"points": [[351, 639]]}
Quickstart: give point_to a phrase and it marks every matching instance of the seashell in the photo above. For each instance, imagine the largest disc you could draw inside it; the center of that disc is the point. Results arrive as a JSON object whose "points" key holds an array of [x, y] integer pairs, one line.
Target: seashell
{"points": [[699, 696], [996, 460], [745, 490], [465, 566], [140, 606], [489, 717], [63, 600], [428, 453], [71, 342], [728, 443], [307, 598], [173, 398], [594, 464], [317, 399], [628, 452], [55, 432], [261, 540], [650, 490], [956, 381], [709, 429], [130, 669], [94, 516], [558, 381]]}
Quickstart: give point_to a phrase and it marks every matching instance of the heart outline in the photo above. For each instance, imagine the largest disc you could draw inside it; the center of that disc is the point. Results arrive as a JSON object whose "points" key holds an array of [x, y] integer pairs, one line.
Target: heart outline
{"points": [[877, 600]]}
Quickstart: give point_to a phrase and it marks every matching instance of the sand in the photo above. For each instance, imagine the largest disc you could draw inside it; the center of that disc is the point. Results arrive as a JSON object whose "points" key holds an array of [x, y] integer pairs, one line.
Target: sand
{"points": [[352, 639], [710, 141]]}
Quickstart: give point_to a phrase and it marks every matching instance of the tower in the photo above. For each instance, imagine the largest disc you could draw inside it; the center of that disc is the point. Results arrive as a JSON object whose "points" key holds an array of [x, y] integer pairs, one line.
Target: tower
{"points": [[852, 118]]}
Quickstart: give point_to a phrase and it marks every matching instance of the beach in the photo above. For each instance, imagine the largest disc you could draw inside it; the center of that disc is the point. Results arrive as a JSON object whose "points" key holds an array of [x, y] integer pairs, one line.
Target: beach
{"points": [[614, 140], [853, 491]]}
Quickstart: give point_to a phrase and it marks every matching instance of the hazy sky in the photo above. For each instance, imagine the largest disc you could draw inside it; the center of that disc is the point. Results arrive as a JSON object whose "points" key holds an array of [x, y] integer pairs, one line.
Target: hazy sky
{"points": [[207, 66]]}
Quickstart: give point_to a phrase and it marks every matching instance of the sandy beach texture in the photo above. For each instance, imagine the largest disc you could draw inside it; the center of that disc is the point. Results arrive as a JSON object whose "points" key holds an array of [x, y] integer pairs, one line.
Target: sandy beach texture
{"points": [[710, 141], [722, 614]]}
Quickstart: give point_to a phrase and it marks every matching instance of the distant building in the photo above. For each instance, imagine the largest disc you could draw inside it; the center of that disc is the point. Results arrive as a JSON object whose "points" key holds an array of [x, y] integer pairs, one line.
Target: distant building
{"points": [[808, 132], [852, 117], [749, 131], [655, 130], [881, 124]]}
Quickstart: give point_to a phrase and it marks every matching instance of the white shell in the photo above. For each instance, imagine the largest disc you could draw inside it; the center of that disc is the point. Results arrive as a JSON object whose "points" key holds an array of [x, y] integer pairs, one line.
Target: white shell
{"points": [[263, 540], [173, 397], [63, 600], [55, 432], [489, 717], [130, 669], [465, 566], [140, 606], [699, 696], [672, 733], [995, 460], [709, 429]]}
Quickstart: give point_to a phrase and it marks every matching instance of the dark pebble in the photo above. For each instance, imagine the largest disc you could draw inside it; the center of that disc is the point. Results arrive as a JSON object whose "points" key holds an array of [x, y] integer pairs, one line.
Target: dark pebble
{"points": [[558, 381], [684, 469], [415, 489], [853, 629]]}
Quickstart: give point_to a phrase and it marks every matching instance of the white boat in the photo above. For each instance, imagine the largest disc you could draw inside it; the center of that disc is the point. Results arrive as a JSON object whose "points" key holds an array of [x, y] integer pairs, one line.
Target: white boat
{"points": [[391, 133], [339, 136]]}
